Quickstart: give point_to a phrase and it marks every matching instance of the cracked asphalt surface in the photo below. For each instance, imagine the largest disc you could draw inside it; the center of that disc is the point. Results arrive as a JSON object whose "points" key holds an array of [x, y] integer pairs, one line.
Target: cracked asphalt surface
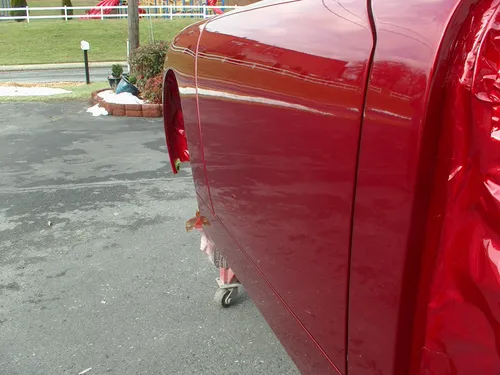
{"points": [[115, 283]]}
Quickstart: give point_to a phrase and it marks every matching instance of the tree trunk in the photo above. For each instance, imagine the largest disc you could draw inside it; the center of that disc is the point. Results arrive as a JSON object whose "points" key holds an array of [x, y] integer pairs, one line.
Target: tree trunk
{"points": [[133, 24], [67, 3]]}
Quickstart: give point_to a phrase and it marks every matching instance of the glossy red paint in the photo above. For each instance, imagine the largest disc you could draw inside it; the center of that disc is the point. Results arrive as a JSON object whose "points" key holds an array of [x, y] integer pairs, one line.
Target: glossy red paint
{"points": [[354, 191], [405, 153], [280, 113], [463, 314], [308, 358]]}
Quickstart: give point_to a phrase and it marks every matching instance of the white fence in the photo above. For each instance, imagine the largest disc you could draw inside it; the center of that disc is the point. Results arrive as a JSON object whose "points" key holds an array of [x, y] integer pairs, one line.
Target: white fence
{"points": [[103, 12]]}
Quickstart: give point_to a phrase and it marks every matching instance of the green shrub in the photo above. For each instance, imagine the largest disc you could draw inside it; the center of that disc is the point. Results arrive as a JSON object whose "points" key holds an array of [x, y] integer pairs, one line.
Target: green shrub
{"points": [[116, 70], [69, 11], [132, 79], [146, 62], [153, 89], [18, 13]]}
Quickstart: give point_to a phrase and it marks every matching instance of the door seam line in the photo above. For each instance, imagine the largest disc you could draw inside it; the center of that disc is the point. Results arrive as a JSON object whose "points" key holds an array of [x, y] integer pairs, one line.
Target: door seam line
{"points": [[369, 69]]}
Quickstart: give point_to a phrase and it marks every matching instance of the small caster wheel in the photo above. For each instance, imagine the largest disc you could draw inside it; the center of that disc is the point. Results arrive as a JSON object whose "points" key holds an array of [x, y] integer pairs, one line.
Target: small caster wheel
{"points": [[224, 297]]}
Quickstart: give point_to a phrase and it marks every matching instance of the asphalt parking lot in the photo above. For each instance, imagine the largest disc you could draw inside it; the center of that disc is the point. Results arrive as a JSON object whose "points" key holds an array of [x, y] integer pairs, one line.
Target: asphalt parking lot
{"points": [[114, 283]]}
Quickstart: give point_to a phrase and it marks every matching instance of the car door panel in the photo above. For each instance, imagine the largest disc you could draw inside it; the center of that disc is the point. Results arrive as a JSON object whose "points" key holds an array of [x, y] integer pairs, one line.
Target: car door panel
{"points": [[280, 104]]}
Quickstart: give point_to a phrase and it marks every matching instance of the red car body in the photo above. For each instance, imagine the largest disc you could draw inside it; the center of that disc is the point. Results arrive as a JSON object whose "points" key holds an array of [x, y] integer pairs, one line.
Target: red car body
{"points": [[346, 155]]}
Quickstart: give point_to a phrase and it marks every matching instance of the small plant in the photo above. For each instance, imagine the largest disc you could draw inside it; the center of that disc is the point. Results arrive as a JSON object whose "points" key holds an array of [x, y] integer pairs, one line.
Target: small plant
{"points": [[18, 13], [132, 79], [147, 61], [153, 89], [116, 70]]}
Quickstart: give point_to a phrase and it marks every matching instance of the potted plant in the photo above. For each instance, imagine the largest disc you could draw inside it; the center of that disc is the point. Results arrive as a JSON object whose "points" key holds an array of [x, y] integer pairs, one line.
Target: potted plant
{"points": [[127, 84], [116, 75]]}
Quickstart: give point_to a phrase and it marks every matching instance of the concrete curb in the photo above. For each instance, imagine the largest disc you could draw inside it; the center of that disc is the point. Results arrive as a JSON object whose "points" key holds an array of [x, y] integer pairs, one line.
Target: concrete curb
{"points": [[12, 68]]}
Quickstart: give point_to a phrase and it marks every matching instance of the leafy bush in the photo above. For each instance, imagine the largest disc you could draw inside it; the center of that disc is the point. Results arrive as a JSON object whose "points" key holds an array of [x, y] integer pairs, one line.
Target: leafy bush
{"points": [[153, 89], [18, 13], [69, 11], [146, 62], [116, 70]]}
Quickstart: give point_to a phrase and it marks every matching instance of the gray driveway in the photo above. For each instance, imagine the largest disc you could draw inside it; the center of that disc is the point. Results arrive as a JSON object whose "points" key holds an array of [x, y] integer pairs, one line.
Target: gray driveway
{"points": [[115, 283]]}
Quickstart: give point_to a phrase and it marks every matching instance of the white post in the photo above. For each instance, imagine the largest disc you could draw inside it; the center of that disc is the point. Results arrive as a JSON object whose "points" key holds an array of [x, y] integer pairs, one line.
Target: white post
{"points": [[65, 13], [171, 11], [27, 14], [204, 11], [128, 55], [102, 14]]}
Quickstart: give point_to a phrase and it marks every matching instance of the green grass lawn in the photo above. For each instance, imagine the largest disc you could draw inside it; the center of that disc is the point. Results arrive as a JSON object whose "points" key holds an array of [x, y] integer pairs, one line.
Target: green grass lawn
{"points": [[57, 3], [56, 41], [78, 92]]}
